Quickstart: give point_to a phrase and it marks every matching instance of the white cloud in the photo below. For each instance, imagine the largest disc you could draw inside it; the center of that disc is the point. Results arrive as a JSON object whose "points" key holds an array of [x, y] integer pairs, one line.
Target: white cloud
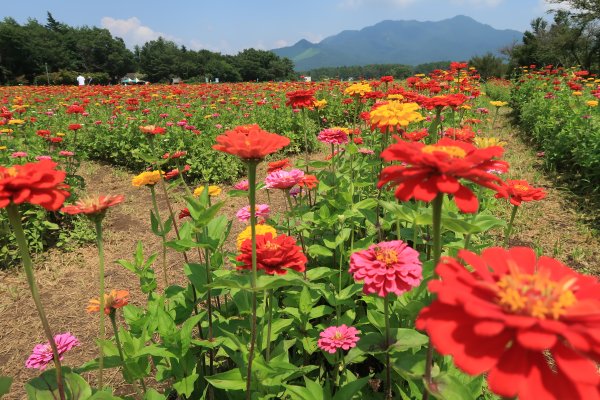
{"points": [[132, 31], [281, 43]]}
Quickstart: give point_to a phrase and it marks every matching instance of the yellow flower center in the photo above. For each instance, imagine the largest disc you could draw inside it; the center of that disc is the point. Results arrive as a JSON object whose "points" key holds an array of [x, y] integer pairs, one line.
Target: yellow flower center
{"points": [[388, 256], [338, 335], [10, 172], [271, 246], [535, 295], [452, 151], [521, 188]]}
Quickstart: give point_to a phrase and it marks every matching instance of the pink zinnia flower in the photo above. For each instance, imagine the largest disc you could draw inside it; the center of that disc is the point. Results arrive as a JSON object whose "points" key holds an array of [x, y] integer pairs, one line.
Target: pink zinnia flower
{"points": [[284, 179], [333, 135], [241, 185], [66, 153], [387, 267], [261, 210], [42, 353], [40, 158], [338, 337], [364, 150], [18, 154]]}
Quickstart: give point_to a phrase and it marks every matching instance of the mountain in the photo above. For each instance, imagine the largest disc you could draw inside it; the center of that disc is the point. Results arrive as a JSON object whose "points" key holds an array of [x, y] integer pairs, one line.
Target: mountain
{"points": [[401, 42]]}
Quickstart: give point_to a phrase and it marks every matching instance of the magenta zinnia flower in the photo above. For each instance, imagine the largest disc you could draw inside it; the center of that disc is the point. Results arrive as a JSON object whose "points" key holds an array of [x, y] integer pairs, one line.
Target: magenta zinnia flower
{"points": [[262, 212], [241, 185], [284, 179], [333, 135], [42, 353], [387, 267], [338, 337]]}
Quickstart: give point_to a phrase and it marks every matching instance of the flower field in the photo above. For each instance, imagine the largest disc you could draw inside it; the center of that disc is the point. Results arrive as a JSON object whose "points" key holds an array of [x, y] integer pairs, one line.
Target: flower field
{"points": [[328, 240]]}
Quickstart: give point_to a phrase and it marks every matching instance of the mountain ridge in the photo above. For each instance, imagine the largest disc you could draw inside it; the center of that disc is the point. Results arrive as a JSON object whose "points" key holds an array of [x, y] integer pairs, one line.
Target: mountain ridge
{"points": [[456, 38]]}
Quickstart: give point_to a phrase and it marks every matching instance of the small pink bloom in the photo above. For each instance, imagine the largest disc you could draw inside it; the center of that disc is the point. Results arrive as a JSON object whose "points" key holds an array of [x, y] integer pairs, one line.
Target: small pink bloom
{"points": [[364, 150], [283, 179], [66, 153], [261, 210], [42, 353], [218, 126], [241, 185], [40, 158], [387, 267], [18, 154], [333, 135], [338, 337]]}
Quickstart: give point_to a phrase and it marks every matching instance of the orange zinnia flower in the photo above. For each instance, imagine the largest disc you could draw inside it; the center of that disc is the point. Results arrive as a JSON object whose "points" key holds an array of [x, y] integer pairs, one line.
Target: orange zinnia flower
{"points": [[250, 142], [113, 300], [152, 130], [93, 206]]}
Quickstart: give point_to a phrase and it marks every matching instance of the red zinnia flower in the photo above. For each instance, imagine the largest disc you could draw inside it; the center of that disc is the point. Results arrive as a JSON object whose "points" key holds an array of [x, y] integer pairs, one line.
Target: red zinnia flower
{"points": [[436, 168], [387, 267], [75, 127], [75, 109], [531, 323], [249, 142], [152, 130], [333, 136], [36, 183], [309, 181], [278, 165], [274, 255], [300, 99], [518, 191], [93, 206], [185, 212]]}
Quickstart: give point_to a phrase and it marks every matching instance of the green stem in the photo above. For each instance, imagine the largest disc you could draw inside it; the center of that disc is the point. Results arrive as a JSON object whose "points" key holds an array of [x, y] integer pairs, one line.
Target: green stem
{"points": [[269, 323], [388, 366], [15, 221], [510, 225], [252, 164], [112, 316], [100, 244], [162, 231], [437, 252], [305, 128]]}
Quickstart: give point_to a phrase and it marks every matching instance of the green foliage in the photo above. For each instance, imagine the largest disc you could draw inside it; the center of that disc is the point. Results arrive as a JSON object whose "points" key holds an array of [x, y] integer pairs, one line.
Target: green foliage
{"points": [[371, 71], [489, 66], [5, 383]]}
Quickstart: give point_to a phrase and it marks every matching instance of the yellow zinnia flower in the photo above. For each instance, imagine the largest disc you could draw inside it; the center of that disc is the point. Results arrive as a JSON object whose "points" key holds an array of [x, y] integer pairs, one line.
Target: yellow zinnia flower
{"points": [[212, 190], [147, 178], [16, 122], [395, 96], [395, 114], [320, 104], [498, 103], [592, 103], [261, 229], [577, 93], [2, 147], [358, 89], [483, 142]]}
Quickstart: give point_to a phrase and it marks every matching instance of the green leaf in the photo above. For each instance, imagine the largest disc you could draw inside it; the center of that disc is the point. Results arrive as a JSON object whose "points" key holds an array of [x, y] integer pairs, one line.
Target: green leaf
{"points": [[365, 204], [45, 387], [351, 388], [450, 388], [320, 272], [154, 224], [228, 380], [5, 383], [152, 394], [305, 303], [318, 250], [186, 330], [407, 338], [185, 386]]}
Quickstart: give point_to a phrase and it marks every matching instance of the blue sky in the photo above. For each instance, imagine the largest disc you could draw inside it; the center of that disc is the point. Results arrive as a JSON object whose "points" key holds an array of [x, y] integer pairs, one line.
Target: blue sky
{"points": [[228, 26]]}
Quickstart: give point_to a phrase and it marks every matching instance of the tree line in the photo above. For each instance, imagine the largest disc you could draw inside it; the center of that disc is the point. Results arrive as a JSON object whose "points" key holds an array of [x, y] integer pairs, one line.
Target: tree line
{"points": [[54, 52]]}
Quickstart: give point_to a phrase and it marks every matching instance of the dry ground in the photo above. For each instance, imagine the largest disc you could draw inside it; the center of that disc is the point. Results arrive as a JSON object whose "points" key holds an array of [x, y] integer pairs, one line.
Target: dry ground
{"points": [[68, 279]]}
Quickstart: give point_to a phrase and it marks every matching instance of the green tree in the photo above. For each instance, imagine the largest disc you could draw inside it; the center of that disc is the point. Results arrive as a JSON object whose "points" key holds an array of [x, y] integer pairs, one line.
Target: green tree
{"points": [[489, 66]]}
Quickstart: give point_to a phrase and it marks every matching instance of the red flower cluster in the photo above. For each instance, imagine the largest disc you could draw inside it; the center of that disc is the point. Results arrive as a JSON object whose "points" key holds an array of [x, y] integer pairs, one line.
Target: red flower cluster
{"points": [[274, 255], [249, 142], [431, 169], [36, 183], [518, 191], [531, 323], [278, 165], [300, 99]]}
